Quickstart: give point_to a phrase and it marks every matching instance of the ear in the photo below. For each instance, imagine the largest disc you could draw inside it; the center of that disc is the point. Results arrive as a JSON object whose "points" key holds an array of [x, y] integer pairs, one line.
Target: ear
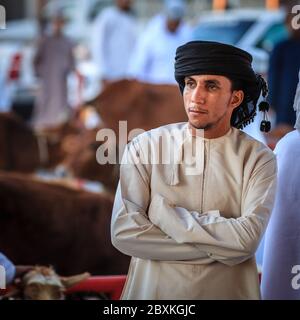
{"points": [[237, 98], [71, 281]]}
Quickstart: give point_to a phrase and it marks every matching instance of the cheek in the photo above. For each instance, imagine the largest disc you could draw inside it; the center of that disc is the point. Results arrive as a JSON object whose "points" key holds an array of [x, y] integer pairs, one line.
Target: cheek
{"points": [[186, 98], [214, 101], [222, 101]]}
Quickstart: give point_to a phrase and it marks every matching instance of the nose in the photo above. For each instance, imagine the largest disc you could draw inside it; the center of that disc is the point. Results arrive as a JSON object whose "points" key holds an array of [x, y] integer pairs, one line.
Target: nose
{"points": [[198, 95]]}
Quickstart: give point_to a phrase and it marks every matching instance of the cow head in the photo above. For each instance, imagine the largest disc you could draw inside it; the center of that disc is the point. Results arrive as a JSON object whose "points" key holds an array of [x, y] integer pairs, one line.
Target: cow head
{"points": [[43, 283], [80, 159]]}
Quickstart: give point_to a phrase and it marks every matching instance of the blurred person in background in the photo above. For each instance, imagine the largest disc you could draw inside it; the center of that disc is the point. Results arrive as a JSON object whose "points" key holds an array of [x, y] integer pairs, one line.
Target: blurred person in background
{"points": [[114, 37], [53, 62], [153, 58], [283, 75], [281, 263]]}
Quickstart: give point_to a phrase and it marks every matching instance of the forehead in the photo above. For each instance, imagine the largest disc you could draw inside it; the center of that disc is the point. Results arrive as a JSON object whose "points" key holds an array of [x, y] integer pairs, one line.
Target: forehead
{"points": [[209, 77]]}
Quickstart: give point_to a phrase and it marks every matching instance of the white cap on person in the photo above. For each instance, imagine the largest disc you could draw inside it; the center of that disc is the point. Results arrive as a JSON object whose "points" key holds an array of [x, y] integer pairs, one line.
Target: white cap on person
{"points": [[175, 9]]}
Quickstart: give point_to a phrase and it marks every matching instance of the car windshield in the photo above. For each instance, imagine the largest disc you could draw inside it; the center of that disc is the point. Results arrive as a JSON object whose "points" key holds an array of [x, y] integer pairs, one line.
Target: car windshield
{"points": [[229, 32], [277, 32]]}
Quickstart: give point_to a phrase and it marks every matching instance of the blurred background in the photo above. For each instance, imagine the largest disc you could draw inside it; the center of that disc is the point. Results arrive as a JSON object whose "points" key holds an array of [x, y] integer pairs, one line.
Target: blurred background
{"points": [[69, 68], [248, 24]]}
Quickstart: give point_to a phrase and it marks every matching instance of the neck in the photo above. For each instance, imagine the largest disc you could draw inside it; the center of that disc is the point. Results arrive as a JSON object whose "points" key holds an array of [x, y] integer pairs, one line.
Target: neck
{"points": [[210, 133]]}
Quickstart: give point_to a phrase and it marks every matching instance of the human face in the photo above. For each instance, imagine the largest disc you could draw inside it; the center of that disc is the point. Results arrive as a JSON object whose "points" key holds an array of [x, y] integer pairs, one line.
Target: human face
{"points": [[58, 25], [124, 4], [209, 102], [173, 25]]}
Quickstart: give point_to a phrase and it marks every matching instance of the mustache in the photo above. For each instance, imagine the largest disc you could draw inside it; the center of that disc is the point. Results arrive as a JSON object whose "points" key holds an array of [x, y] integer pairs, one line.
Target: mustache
{"points": [[197, 109]]}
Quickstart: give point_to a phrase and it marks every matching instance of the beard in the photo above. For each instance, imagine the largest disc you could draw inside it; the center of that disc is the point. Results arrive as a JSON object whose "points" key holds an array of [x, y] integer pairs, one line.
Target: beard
{"points": [[208, 125], [202, 126]]}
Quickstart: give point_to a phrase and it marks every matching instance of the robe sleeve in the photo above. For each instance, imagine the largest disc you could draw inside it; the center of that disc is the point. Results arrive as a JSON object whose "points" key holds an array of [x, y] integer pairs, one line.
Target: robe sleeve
{"points": [[131, 231], [227, 240]]}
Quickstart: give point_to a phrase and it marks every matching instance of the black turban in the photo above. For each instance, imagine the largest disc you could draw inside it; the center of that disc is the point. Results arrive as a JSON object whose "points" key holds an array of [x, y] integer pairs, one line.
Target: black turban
{"points": [[214, 58]]}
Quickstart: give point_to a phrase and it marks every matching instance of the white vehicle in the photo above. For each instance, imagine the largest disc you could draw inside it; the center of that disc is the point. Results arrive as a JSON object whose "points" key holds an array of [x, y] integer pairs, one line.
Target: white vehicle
{"points": [[254, 30]]}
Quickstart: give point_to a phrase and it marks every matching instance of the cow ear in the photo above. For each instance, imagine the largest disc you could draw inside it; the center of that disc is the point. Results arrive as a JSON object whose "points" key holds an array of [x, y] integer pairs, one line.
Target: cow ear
{"points": [[71, 281]]}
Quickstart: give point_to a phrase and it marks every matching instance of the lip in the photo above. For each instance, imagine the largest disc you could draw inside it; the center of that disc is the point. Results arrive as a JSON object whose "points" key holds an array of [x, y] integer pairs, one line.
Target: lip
{"points": [[197, 111]]}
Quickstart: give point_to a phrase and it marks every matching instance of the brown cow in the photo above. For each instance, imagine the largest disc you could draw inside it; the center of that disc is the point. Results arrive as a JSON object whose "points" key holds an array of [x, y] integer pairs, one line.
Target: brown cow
{"points": [[80, 159], [23, 150], [18, 145], [46, 223], [142, 105]]}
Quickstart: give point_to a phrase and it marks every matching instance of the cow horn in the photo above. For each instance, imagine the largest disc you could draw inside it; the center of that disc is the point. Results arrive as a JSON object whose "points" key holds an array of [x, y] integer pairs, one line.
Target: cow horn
{"points": [[72, 280]]}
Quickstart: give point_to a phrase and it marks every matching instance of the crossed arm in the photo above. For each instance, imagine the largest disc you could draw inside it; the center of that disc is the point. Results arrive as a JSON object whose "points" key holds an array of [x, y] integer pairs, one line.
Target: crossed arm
{"points": [[156, 230]]}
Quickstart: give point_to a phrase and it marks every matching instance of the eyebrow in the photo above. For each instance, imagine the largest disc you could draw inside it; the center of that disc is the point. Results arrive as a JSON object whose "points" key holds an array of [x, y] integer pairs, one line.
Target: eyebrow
{"points": [[215, 81], [189, 78], [209, 81]]}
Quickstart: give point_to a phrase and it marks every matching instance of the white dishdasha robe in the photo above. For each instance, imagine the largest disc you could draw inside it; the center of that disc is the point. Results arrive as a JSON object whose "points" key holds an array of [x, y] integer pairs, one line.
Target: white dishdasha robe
{"points": [[192, 228]]}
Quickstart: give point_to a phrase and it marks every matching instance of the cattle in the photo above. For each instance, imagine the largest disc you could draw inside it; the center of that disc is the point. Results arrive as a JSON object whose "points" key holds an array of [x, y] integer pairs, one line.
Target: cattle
{"points": [[142, 105], [43, 283], [18, 145], [23, 150], [52, 224], [80, 159], [70, 145]]}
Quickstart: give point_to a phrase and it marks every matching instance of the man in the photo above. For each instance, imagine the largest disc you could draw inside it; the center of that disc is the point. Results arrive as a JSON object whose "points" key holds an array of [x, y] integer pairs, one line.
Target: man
{"points": [[153, 58], [281, 264], [53, 62], [114, 36], [192, 226], [283, 72]]}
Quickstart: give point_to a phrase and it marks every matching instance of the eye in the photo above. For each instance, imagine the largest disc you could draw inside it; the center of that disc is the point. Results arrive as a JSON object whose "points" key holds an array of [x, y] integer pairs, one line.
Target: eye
{"points": [[190, 84], [212, 86]]}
